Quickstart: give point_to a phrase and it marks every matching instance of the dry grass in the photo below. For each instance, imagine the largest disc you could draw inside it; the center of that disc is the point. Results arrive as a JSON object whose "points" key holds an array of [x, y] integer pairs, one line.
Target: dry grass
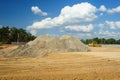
{"points": [[64, 66]]}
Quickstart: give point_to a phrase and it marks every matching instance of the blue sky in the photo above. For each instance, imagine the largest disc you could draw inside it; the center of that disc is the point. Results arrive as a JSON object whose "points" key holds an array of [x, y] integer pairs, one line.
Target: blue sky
{"points": [[79, 18]]}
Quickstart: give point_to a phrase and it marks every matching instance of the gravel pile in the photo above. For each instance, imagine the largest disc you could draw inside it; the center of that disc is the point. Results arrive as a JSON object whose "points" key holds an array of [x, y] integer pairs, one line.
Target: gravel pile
{"points": [[45, 44]]}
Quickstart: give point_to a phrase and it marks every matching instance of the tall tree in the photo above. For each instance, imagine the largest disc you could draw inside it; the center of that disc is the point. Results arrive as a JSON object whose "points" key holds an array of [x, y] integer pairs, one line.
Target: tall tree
{"points": [[4, 34], [8, 35]]}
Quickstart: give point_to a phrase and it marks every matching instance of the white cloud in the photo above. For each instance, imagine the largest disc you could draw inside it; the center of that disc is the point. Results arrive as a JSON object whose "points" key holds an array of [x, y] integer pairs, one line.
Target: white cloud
{"points": [[33, 32], [44, 24], [37, 10], [101, 25], [102, 8], [88, 35], [81, 35], [113, 25], [114, 10], [105, 31], [109, 34], [87, 28], [74, 17], [69, 15], [83, 12]]}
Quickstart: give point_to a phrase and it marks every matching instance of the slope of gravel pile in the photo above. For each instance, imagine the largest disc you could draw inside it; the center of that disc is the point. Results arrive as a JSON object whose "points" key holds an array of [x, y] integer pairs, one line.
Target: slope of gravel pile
{"points": [[45, 44]]}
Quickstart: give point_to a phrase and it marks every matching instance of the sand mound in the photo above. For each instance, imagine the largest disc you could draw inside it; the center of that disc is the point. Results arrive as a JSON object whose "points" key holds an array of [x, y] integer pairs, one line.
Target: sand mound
{"points": [[48, 44]]}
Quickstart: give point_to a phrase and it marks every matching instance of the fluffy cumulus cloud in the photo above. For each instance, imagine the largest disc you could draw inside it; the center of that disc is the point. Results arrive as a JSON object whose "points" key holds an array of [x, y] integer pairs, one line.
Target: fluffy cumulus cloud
{"points": [[83, 12], [106, 30], [102, 8], [37, 10], [69, 15], [113, 24], [109, 34], [33, 32], [114, 10], [82, 35], [78, 18], [101, 25], [111, 11], [87, 28], [43, 24]]}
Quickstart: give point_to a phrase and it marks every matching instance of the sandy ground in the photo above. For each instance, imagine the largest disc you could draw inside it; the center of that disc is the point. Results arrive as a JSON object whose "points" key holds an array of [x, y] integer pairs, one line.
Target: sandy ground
{"points": [[105, 52], [7, 47], [104, 49], [99, 64]]}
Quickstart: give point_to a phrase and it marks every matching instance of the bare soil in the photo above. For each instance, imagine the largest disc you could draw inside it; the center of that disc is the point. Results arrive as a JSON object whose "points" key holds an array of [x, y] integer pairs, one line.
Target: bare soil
{"points": [[99, 64], [104, 49]]}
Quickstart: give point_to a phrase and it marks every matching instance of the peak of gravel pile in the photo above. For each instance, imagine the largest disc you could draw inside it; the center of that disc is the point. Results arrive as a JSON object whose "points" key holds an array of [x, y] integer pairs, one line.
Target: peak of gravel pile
{"points": [[45, 44]]}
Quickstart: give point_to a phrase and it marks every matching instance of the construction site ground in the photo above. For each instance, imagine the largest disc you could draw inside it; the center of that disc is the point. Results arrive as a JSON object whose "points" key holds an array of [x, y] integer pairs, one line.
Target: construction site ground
{"points": [[100, 63]]}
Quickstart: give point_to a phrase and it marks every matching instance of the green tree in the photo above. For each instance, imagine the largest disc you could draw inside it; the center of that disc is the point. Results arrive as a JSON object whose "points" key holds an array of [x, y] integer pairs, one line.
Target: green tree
{"points": [[8, 35], [111, 41], [96, 40], [118, 41], [4, 34]]}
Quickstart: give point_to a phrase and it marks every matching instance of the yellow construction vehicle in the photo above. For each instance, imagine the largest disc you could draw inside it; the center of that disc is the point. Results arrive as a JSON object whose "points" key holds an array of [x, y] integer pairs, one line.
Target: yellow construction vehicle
{"points": [[93, 44]]}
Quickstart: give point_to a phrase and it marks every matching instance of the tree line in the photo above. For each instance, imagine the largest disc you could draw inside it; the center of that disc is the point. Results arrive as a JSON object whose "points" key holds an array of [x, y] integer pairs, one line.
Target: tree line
{"points": [[13, 34], [101, 41]]}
